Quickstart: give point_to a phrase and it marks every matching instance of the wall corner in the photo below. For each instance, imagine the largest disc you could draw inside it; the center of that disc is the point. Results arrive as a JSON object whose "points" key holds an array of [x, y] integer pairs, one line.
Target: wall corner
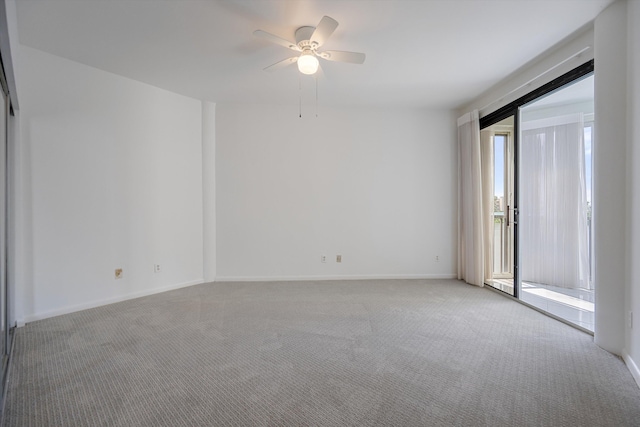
{"points": [[209, 190]]}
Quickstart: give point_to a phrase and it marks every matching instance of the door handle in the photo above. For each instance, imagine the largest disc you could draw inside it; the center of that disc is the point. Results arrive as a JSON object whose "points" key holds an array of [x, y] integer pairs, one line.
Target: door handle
{"points": [[507, 215]]}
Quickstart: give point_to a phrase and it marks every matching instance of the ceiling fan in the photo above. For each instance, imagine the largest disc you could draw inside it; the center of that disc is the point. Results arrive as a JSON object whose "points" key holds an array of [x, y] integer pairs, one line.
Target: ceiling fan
{"points": [[308, 40]]}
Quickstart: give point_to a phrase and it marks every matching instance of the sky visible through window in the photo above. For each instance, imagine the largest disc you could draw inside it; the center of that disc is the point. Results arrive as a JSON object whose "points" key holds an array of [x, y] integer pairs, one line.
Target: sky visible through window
{"points": [[498, 157]]}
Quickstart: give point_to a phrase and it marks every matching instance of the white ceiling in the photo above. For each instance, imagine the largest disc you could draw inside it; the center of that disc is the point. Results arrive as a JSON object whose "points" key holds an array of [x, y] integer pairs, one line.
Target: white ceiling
{"points": [[430, 53]]}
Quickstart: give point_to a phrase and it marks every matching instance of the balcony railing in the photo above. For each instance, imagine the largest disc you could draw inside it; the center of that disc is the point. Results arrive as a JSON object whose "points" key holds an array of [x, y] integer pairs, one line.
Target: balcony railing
{"points": [[500, 244]]}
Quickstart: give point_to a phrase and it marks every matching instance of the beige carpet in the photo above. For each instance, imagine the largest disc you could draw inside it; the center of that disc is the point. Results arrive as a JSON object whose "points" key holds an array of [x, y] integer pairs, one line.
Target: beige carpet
{"points": [[361, 353]]}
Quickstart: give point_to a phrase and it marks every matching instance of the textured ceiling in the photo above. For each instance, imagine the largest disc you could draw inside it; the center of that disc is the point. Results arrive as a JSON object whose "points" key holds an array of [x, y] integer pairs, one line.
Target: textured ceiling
{"points": [[430, 54]]}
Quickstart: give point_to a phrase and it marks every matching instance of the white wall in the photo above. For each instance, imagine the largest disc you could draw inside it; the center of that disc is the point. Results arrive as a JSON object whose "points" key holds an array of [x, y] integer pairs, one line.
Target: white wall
{"points": [[609, 171], [9, 46], [568, 54], [632, 355], [376, 186], [111, 178]]}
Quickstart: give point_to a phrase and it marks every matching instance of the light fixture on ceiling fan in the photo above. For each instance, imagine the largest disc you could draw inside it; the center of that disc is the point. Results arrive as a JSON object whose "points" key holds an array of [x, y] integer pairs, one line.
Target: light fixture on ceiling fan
{"points": [[308, 40], [307, 62]]}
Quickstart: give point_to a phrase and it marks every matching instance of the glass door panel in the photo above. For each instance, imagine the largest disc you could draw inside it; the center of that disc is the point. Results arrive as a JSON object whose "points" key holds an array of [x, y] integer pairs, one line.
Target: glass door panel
{"points": [[498, 145], [555, 203]]}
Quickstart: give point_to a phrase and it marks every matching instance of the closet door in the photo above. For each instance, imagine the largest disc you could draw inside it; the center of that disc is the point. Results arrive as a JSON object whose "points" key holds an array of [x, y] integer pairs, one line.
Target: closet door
{"points": [[4, 330]]}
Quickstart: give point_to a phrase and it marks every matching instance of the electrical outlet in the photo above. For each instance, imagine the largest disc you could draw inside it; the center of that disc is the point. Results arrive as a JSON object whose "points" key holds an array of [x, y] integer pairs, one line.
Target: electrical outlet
{"points": [[338, 258], [156, 268], [323, 258], [118, 273], [437, 258]]}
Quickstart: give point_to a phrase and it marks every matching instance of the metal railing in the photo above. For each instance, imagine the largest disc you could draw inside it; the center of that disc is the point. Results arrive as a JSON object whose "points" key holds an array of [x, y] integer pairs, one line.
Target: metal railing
{"points": [[500, 244]]}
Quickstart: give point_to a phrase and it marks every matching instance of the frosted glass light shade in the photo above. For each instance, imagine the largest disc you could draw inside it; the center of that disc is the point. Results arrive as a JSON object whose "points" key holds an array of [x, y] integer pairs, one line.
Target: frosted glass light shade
{"points": [[308, 63]]}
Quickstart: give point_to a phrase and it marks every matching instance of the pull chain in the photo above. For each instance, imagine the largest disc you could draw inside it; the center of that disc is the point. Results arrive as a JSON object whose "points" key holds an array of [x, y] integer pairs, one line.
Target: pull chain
{"points": [[300, 95], [316, 77]]}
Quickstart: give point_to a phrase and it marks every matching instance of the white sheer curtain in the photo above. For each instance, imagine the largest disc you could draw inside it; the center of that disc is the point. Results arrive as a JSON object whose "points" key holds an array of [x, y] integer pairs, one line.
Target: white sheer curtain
{"points": [[470, 217], [553, 207]]}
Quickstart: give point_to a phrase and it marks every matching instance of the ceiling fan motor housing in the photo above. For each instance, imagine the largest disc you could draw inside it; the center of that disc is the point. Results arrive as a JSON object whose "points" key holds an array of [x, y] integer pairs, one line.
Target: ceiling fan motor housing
{"points": [[303, 38]]}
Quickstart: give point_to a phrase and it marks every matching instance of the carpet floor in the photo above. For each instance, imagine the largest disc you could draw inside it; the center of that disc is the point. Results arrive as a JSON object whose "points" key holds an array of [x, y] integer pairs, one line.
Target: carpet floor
{"points": [[342, 353]]}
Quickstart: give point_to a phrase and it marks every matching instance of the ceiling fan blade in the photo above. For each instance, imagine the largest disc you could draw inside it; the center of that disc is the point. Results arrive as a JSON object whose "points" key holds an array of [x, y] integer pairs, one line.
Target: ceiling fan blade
{"points": [[341, 56], [282, 64], [275, 39], [325, 28]]}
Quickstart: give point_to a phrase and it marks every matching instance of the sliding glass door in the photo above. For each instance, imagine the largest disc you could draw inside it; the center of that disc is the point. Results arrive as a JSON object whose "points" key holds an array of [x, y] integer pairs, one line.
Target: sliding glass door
{"points": [[536, 193], [555, 203]]}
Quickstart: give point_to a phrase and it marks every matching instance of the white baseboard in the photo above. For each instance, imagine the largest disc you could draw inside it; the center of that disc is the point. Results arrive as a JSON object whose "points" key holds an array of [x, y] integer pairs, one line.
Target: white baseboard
{"points": [[106, 301], [349, 277], [97, 303], [633, 367]]}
